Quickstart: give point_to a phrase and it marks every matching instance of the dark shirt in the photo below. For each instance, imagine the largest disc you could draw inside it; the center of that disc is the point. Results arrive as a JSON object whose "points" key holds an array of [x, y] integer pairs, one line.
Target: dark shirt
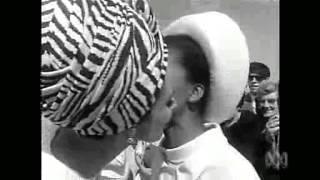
{"points": [[249, 103], [247, 137]]}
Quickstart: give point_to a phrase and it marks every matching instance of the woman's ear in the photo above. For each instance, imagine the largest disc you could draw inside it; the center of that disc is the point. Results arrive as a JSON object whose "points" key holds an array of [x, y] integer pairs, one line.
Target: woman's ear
{"points": [[196, 93]]}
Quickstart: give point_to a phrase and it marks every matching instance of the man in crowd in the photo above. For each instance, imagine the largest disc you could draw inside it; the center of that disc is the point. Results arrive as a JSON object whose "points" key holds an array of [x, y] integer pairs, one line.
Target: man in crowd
{"points": [[257, 136], [258, 73]]}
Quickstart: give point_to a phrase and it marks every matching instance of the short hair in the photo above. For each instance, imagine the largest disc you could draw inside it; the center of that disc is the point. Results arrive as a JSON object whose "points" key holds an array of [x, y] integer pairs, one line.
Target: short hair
{"points": [[194, 61], [266, 87], [260, 69]]}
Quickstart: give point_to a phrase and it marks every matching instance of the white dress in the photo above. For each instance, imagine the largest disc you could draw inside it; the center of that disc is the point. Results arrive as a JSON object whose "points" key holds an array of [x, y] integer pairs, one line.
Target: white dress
{"points": [[208, 152]]}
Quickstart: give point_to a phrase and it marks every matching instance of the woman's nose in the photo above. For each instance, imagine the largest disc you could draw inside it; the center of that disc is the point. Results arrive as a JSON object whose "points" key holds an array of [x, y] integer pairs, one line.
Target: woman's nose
{"points": [[266, 104]]}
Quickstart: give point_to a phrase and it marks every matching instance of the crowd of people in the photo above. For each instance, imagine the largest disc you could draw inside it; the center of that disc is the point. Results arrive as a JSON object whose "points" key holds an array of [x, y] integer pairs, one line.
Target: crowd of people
{"points": [[255, 128], [132, 102]]}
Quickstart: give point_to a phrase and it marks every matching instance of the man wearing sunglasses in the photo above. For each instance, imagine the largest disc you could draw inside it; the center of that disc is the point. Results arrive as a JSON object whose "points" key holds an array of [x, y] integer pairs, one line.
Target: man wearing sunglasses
{"points": [[258, 73]]}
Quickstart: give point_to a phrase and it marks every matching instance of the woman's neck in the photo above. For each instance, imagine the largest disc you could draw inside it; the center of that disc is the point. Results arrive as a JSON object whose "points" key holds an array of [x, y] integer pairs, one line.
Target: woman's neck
{"points": [[186, 128]]}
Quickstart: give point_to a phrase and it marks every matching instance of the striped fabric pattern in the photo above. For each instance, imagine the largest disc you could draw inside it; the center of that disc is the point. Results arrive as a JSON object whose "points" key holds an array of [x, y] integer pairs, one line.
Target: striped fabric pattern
{"points": [[103, 63]]}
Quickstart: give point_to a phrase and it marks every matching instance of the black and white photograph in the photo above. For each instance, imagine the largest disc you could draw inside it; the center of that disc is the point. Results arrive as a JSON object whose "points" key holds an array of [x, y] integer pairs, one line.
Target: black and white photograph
{"points": [[160, 90]]}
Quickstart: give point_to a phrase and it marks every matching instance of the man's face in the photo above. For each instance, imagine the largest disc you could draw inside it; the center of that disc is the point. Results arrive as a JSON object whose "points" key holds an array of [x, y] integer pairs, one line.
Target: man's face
{"points": [[254, 81], [267, 105]]}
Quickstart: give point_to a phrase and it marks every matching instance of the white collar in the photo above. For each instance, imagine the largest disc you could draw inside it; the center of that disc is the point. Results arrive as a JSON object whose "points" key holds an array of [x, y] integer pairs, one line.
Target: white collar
{"points": [[213, 135]]}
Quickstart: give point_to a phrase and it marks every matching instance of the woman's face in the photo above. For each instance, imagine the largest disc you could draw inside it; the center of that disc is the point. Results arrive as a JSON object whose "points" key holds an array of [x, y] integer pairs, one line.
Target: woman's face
{"points": [[172, 100], [152, 126], [267, 105], [178, 81]]}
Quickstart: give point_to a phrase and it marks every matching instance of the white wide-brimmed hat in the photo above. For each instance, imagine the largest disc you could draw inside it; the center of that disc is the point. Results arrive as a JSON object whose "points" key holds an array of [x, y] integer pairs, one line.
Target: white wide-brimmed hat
{"points": [[226, 49]]}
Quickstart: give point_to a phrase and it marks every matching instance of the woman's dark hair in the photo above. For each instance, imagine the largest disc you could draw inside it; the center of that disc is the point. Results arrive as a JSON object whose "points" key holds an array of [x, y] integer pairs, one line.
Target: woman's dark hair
{"points": [[194, 61]]}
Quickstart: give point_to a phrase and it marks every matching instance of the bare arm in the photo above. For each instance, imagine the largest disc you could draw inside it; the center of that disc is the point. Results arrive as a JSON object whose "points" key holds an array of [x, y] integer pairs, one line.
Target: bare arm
{"points": [[87, 156]]}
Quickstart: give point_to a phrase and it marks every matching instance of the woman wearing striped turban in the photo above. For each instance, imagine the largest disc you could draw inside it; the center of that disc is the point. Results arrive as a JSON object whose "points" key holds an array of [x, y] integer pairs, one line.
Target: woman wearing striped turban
{"points": [[103, 67]]}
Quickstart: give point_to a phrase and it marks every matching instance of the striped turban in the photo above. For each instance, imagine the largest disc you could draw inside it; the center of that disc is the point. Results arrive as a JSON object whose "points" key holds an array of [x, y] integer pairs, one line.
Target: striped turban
{"points": [[103, 63]]}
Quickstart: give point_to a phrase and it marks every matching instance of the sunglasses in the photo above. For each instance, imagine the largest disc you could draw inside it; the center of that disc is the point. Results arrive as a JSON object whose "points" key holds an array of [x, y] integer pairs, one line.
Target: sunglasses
{"points": [[258, 78]]}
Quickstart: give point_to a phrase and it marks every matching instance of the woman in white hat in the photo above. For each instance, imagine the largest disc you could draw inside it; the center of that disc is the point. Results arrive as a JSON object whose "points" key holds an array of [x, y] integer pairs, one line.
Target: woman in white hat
{"points": [[208, 70]]}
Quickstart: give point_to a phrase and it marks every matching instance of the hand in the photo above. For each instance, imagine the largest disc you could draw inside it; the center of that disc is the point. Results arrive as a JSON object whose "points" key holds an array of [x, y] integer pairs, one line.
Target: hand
{"points": [[272, 125], [272, 128], [139, 160], [145, 172]]}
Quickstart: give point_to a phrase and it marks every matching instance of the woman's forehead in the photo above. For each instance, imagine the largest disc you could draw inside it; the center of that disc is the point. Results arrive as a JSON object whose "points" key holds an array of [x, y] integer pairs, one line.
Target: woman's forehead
{"points": [[272, 95]]}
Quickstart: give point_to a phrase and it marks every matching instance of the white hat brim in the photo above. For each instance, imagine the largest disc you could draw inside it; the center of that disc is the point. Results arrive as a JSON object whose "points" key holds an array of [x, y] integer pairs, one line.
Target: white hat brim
{"points": [[226, 50]]}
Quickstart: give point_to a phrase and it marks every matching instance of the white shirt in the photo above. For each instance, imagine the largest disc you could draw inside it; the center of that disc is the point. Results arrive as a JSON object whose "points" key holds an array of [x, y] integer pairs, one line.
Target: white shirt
{"points": [[209, 152]]}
